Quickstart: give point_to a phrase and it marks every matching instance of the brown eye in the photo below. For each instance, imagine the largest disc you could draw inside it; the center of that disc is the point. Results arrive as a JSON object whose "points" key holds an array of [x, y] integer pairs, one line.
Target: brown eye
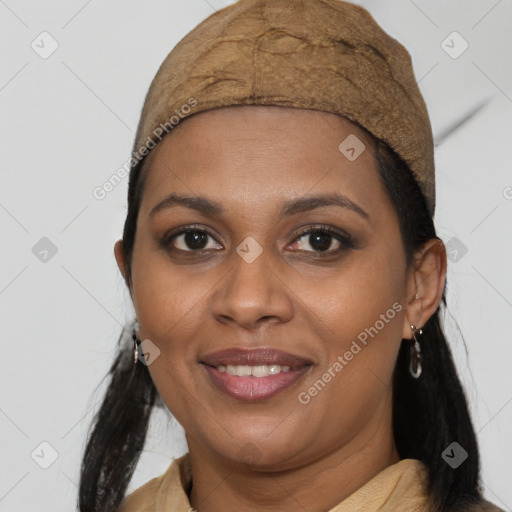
{"points": [[321, 240], [190, 240]]}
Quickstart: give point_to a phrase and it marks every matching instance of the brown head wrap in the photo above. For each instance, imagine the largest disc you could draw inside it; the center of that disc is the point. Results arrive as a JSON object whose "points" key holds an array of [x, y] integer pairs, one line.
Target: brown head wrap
{"points": [[326, 55]]}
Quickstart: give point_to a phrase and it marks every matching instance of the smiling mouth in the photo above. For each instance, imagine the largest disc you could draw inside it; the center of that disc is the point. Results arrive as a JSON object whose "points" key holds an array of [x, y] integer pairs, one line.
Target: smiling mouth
{"points": [[254, 374]]}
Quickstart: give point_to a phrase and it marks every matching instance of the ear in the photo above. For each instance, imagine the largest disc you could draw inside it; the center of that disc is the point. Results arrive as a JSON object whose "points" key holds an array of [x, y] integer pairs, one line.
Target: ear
{"points": [[120, 259], [426, 281]]}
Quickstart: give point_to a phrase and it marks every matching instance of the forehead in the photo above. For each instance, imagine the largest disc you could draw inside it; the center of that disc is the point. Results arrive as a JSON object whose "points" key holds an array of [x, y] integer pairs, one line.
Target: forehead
{"points": [[264, 154]]}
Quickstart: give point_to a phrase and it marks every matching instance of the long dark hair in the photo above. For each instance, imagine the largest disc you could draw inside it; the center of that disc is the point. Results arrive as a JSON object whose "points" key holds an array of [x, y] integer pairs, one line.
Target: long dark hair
{"points": [[429, 413]]}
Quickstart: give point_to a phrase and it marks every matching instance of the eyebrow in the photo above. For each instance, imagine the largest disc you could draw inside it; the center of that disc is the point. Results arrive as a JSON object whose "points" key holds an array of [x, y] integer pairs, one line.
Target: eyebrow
{"points": [[288, 208]]}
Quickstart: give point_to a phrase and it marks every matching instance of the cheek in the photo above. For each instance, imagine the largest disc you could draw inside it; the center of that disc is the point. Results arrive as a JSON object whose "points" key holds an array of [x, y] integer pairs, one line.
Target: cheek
{"points": [[171, 306], [166, 297], [364, 294], [359, 315]]}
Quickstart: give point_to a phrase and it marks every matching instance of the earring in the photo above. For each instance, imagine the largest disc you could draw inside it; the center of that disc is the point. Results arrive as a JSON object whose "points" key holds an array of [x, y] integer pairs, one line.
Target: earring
{"points": [[415, 361], [136, 343]]}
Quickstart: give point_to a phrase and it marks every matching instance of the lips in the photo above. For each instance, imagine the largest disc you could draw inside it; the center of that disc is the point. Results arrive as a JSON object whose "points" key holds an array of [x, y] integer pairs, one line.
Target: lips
{"points": [[255, 357], [254, 374]]}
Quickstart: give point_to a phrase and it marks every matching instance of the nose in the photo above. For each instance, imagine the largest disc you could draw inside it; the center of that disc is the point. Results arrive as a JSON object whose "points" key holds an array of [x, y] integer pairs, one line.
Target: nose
{"points": [[252, 293]]}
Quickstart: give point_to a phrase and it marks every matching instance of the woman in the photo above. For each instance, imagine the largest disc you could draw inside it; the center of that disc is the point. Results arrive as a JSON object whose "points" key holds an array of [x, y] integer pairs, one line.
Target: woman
{"points": [[287, 279]]}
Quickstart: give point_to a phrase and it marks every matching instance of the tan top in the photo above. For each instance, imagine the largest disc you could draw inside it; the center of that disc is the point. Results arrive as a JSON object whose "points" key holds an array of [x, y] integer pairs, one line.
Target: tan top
{"points": [[398, 488]]}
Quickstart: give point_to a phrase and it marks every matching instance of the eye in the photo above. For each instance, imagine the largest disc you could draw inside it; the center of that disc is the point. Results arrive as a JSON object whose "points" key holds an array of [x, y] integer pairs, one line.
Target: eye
{"points": [[192, 239], [320, 239]]}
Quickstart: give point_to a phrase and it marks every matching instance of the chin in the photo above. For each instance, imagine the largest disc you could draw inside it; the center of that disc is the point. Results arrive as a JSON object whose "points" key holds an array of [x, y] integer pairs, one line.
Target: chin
{"points": [[262, 453]]}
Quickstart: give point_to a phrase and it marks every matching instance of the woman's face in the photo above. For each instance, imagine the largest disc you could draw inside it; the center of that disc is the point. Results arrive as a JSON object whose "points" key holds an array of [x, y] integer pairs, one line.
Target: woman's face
{"points": [[258, 285]]}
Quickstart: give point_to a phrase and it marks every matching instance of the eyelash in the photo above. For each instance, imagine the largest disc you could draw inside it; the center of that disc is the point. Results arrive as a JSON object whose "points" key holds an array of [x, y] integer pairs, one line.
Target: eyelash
{"points": [[345, 240]]}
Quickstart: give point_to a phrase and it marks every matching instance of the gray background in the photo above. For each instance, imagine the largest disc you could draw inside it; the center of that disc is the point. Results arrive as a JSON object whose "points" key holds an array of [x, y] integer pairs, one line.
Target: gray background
{"points": [[67, 124]]}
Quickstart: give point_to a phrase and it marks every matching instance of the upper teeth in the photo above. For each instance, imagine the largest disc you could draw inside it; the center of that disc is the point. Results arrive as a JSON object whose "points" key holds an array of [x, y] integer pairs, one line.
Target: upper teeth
{"points": [[262, 370]]}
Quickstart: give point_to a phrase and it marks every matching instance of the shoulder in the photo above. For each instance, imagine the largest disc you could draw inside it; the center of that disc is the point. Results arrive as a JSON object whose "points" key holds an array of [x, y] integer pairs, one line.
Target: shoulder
{"points": [[144, 498], [482, 506], [487, 506], [149, 497]]}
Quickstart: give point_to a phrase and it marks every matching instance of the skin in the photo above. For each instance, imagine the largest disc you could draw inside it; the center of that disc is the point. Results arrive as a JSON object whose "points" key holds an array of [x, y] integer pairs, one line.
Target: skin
{"points": [[293, 297]]}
